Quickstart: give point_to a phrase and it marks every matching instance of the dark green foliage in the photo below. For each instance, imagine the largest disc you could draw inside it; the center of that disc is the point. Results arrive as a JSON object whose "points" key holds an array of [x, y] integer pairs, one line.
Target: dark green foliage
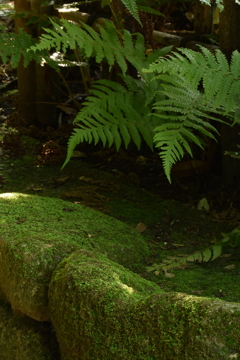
{"points": [[168, 88], [211, 253], [14, 45], [114, 114], [169, 105], [187, 110], [218, 78]]}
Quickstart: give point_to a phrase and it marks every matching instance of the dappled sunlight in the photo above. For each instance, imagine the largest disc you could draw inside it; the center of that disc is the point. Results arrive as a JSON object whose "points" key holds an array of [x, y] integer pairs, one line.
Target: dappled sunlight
{"points": [[129, 289], [13, 196]]}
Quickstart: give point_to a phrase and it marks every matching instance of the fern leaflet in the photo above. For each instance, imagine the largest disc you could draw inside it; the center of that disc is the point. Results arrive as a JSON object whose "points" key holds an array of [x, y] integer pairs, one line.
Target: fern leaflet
{"points": [[184, 115], [103, 45], [209, 254], [13, 46], [132, 7], [113, 115], [220, 80]]}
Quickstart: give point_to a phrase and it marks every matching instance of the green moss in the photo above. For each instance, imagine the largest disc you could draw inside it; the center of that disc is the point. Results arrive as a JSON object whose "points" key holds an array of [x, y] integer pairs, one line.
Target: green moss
{"points": [[97, 316], [37, 233], [22, 338]]}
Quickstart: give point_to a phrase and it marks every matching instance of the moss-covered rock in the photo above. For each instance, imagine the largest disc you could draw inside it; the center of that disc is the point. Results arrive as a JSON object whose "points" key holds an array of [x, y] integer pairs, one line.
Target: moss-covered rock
{"points": [[37, 233], [102, 311], [22, 338]]}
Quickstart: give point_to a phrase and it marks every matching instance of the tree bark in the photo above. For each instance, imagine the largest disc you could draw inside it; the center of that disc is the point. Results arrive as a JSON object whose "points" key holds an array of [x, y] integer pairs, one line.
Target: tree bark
{"points": [[229, 42], [203, 19], [34, 87]]}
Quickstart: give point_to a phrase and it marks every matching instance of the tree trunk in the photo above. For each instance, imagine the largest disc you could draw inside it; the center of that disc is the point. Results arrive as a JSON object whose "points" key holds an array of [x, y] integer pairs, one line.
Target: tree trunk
{"points": [[230, 41], [203, 19], [34, 81]]}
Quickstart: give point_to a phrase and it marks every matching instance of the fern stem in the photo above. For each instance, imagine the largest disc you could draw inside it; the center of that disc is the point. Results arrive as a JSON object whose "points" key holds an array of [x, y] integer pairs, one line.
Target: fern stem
{"points": [[116, 17], [70, 94], [84, 72]]}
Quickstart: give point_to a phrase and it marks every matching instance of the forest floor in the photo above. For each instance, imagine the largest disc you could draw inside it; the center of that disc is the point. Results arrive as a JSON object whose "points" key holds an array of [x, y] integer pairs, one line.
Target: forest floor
{"points": [[132, 188]]}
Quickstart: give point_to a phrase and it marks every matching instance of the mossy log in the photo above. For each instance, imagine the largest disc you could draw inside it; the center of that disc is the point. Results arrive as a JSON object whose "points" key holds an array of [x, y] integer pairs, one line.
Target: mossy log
{"points": [[22, 338], [102, 311], [37, 233]]}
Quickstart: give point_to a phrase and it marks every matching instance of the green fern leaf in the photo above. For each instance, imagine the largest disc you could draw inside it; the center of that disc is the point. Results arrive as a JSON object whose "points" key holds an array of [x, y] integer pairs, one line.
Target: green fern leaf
{"points": [[184, 113], [132, 7], [113, 115], [209, 254], [13, 46], [149, 10], [103, 45], [235, 64], [125, 134], [220, 80]]}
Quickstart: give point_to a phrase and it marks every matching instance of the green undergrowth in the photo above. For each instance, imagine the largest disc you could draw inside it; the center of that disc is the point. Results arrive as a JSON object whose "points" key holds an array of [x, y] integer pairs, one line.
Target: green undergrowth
{"points": [[171, 228]]}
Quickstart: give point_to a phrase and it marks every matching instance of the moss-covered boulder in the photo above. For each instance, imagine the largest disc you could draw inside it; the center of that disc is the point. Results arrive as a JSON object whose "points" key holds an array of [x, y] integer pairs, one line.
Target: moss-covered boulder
{"points": [[36, 233], [102, 311], [22, 338]]}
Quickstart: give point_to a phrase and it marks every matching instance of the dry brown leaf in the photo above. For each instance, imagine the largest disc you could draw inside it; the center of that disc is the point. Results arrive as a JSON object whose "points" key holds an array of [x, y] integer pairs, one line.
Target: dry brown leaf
{"points": [[141, 227], [230, 267], [61, 181], [67, 109], [167, 274], [84, 178], [197, 291], [141, 160]]}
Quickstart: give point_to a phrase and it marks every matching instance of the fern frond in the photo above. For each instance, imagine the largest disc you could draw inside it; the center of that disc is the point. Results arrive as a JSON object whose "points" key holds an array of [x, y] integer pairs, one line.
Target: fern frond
{"points": [[132, 7], [220, 80], [150, 10], [209, 254], [113, 115], [235, 64], [181, 261], [13, 46], [184, 115], [103, 45]]}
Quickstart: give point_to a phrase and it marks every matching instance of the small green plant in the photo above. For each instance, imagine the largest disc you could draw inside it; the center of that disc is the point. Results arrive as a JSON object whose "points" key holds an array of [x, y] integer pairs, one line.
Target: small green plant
{"points": [[211, 253]]}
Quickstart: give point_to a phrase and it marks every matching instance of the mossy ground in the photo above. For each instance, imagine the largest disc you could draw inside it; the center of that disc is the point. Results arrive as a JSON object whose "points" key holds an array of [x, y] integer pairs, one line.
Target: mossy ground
{"points": [[172, 227]]}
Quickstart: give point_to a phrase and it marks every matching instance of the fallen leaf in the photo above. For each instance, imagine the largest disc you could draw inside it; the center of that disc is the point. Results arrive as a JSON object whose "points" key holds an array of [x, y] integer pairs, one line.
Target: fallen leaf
{"points": [[203, 205], [60, 181], [234, 356], [67, 109], [197, 291], [84, 178], [21, 221], [230, 267], [141, 160], [141, 227], [167, 274]]}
